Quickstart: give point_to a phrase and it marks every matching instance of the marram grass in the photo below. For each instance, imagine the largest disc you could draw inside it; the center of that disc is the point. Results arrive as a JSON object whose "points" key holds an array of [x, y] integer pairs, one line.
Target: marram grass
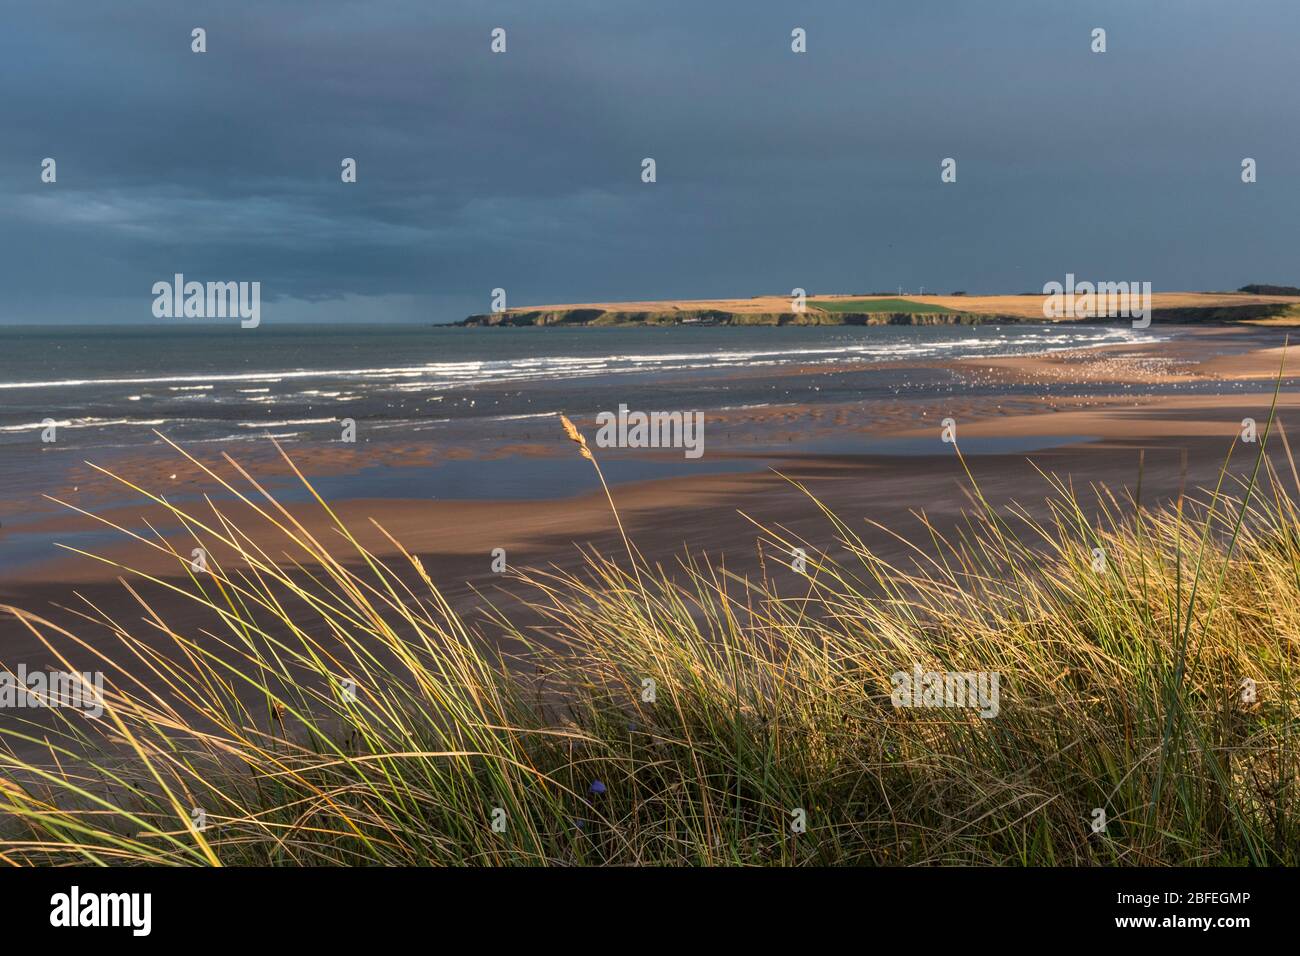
{"points": [[337, 711]]}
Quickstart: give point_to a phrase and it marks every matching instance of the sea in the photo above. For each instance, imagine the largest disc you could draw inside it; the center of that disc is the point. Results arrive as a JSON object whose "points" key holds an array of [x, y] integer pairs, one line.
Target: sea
{"points": [[478, 404], [113, 386]]}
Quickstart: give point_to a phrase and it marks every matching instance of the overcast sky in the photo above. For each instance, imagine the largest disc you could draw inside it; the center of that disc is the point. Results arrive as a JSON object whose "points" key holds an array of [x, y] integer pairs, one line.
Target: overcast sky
{"points": [[523, 170]]}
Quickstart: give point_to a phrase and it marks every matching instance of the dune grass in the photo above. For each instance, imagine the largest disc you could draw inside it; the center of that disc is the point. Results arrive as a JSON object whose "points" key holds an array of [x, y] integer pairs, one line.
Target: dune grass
{"points": [[690, 716]]}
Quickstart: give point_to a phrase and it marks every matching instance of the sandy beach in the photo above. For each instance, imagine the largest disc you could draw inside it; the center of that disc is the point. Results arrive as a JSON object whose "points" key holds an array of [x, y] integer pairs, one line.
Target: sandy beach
{"points": [[647, 437], [868, 462]]}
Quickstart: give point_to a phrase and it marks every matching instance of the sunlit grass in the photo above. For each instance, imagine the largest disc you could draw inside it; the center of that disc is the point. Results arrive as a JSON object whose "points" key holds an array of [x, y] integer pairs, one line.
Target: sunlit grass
{"points": [[1121, 689]]}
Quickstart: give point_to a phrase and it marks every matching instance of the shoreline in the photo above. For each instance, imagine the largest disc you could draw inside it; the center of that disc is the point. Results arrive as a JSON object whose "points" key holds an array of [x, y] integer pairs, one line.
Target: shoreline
{"points": [[1165, 444], [888, 436]]}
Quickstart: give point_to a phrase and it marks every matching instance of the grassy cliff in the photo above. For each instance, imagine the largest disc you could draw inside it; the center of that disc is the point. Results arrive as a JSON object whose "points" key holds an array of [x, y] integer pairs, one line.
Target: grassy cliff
{"points": [[1172, 308]]}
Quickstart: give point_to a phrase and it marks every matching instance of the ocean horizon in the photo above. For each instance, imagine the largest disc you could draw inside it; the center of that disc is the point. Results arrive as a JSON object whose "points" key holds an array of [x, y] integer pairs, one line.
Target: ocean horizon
{"points": [[114, 385]]}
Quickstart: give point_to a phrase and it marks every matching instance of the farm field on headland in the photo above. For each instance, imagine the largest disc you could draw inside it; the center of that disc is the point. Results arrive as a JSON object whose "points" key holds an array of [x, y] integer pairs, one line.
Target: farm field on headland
{"points": [[1186, 307]]}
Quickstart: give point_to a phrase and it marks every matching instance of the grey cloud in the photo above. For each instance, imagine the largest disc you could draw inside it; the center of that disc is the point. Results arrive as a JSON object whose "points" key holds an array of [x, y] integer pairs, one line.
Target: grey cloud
{"points": [[522, 170]]}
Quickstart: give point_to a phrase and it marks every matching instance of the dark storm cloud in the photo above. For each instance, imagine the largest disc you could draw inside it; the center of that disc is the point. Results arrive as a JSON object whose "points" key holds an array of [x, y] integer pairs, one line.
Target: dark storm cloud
{"points": [[522, 170]]}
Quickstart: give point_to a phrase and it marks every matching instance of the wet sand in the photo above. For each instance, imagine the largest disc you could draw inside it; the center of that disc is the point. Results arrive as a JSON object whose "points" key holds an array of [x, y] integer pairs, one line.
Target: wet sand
{"points": [[1173, 441]]}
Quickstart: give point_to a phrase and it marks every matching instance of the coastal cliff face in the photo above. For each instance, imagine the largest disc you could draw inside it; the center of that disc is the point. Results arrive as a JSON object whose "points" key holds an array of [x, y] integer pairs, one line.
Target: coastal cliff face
{"points": [[813, 316], [604, 317]]}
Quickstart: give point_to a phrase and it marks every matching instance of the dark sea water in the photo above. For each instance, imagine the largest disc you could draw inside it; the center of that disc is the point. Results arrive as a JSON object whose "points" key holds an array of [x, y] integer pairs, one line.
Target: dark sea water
{"points": [[467, 396], [112, 386]]}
